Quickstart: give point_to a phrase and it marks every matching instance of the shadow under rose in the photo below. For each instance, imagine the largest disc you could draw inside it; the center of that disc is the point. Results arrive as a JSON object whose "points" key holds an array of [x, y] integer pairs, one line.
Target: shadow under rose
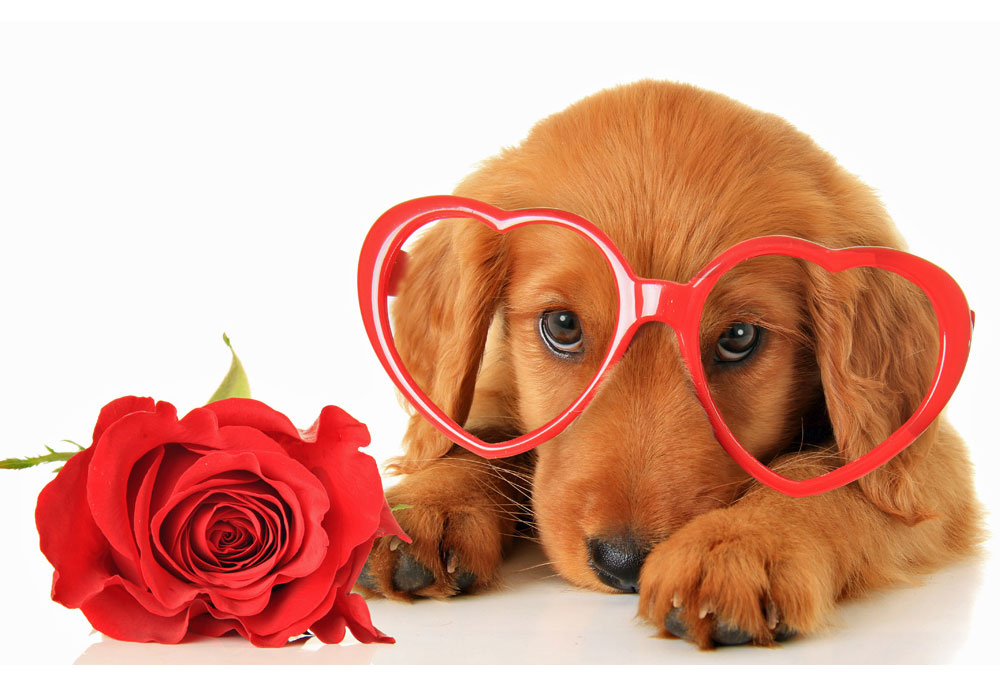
{"points": [[227, 651]]}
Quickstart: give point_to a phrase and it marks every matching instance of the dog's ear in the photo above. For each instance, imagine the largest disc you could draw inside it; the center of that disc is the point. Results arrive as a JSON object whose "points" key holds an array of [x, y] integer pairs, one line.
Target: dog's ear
{"points": [[445, 302], [876, 345]]}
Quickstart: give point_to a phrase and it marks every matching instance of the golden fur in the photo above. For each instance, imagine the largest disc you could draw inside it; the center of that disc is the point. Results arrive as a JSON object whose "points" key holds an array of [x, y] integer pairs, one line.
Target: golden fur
{"points": [[674, 175]]}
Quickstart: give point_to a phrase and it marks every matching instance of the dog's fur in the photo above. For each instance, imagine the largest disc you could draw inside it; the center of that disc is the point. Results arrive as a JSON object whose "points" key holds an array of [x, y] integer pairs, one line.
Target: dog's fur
{"points": [[674, 175]]}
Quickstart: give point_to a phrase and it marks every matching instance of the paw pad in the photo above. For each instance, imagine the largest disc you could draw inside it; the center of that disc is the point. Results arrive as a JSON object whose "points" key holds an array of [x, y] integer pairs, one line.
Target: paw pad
{"points": [[464, 580], [724, 633], [410, 575], [366, 578]]}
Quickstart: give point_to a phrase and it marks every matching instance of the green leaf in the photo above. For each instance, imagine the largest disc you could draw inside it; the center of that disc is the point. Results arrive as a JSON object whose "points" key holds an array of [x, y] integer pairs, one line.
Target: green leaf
{"points": [[235, 384], [21, 463], [401, 506]]}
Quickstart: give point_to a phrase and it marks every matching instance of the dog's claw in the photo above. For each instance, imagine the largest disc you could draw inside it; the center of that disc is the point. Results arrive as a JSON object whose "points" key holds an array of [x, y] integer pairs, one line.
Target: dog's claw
{"points": [[410, 575], [464, 579], [780, 630], [771, 614]]}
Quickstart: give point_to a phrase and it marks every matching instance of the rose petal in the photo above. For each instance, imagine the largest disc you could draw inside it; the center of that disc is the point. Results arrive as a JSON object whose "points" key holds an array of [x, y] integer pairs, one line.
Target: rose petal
{"points": [[227, 538], [210, 626], [349, 431], [357, 504], [295, 484], [256, 530], [244, 440], [387, 525], [118, 614], [121, 447], [350, 609], [331, 628], [122, 444], [359, 620], [128, 439], [351, 478], [163, 581], [118, 409], [295, 605], [324, 616], [79, 553], [265, 559], [304, 494], [246, 412], [237, 592], [175, 535]]}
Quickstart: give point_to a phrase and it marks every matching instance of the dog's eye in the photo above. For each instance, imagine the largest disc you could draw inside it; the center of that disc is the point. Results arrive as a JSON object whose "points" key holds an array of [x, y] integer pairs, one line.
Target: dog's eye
{"points": [[561, 331], [737, 342]]}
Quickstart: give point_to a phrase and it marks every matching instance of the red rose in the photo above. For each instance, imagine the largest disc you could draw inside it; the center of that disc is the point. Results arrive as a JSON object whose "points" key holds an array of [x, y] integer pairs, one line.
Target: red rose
{"points": [[227, 519]]}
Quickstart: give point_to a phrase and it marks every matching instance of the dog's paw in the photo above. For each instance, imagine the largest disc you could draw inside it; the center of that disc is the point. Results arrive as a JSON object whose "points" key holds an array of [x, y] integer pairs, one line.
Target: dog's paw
{"points": [[721, 580], [456, 549]]}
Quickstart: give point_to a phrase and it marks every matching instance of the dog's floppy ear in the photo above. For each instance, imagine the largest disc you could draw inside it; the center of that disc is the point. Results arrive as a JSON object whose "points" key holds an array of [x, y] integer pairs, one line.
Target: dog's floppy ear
{"points": [[445, 302], [876, 346]]}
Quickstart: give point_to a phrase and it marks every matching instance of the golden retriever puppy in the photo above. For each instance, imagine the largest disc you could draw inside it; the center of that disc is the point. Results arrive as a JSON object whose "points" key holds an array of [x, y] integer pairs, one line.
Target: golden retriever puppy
{"points": [[636, 495]]}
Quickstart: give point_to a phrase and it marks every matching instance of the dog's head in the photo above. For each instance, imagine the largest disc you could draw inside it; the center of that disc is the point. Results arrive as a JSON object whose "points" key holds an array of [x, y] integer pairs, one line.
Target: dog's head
{"points": [[674, 175]]}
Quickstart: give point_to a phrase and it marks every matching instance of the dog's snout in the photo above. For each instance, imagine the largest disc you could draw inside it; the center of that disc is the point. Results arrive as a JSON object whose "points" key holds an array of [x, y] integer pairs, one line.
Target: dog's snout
{"points": [[617, 560]]}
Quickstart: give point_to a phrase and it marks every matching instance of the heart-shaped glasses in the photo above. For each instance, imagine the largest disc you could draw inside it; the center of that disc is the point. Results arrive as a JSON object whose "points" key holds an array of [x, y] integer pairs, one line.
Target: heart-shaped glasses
{"points": [[713, 364]]}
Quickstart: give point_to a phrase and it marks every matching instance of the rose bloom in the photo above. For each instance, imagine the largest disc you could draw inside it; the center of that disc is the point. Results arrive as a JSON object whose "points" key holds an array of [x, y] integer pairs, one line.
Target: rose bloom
{"points": [[228, 519]]}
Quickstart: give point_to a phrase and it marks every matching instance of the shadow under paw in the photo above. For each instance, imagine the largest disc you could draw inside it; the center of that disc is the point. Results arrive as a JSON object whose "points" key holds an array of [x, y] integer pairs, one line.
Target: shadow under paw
{"points": [[723, 632], [410, 576]]}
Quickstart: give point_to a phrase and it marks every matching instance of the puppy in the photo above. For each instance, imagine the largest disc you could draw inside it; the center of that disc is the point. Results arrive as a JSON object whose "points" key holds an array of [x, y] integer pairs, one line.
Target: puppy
{"points": [[637, 495]]}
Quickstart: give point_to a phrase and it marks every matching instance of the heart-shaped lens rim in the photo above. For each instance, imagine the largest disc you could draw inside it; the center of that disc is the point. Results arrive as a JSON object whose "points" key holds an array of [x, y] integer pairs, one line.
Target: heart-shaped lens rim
{"points": [[379, 254], [955, 322], [678, 305]]}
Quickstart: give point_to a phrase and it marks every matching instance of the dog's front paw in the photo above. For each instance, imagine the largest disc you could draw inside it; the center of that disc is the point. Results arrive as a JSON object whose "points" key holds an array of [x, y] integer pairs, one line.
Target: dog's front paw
{"points": [[456, 548], [724, 580]]}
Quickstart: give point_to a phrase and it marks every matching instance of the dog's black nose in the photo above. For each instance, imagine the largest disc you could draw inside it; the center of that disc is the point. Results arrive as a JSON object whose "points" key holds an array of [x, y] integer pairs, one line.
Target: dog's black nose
{"points": [[617, 561]]}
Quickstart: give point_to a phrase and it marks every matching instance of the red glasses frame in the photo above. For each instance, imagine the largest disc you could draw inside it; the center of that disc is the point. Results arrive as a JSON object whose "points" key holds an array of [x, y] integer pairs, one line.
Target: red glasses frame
{"points": [[675, 304]]}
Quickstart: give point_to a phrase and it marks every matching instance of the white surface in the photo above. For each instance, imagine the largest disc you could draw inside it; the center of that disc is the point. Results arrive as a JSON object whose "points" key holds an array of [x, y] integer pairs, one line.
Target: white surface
{"points": [[161, 184], [540, 619]]}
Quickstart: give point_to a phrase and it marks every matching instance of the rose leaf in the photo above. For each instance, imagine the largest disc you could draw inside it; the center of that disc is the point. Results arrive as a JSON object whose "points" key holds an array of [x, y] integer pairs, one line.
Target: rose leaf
{"points": [[235, 384]]}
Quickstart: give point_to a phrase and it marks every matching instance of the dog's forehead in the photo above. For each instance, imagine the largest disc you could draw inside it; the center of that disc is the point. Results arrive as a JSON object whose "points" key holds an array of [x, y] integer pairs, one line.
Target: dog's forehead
{"points": [[672, 174]]}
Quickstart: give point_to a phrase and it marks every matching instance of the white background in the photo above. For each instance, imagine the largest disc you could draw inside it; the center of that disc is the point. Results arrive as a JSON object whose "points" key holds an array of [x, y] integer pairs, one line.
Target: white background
{"points": [[163, 183]]}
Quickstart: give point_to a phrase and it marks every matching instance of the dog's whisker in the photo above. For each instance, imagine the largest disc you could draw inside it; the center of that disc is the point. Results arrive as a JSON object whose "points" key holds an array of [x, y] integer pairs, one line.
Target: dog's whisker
{"points": [[549, 577], [533, 567], [497, 490]]}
